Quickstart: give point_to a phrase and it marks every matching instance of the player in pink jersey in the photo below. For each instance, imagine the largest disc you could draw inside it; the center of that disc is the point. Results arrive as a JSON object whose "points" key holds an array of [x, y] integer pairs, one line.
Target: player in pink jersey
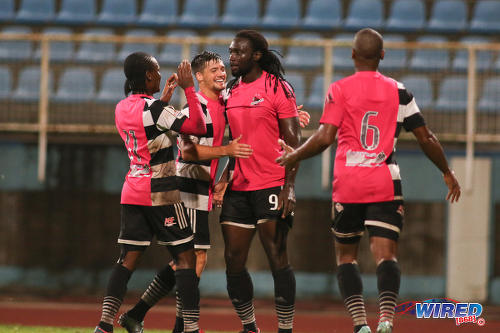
{"points": [[261, 108], [151, 204], [368, 110]]}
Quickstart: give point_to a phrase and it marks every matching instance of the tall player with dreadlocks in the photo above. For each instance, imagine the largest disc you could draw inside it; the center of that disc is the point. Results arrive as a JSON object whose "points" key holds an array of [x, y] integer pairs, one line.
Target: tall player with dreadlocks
{"points": [[260, 108]]}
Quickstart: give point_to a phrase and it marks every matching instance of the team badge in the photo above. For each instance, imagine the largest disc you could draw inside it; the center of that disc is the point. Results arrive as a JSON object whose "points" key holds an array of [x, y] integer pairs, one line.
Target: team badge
{"points": [[169, 221], [257, 99]]}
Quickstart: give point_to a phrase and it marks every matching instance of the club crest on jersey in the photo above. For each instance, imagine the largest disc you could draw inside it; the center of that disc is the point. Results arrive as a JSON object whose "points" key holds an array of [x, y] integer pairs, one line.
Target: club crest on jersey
{"points": [[169, 221], [257, 99], [329, 98]]}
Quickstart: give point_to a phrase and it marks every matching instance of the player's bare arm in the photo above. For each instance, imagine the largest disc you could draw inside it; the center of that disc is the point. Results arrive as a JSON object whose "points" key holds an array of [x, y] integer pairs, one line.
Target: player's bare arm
{"points": [[195, 124], [290, 132], [192, 151], [220, 187], [434, 151], [319, 141]]}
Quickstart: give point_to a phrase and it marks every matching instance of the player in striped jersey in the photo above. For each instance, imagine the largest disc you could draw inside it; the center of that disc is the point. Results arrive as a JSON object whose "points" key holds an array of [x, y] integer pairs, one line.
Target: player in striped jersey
{"points": [[150, 201], [368, 111]]}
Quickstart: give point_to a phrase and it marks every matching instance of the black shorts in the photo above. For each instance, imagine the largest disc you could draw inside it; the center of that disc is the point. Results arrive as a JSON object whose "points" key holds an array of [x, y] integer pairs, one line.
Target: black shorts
{"points": [[248, 208], [382, 219], [199, 224], [170, 225]]}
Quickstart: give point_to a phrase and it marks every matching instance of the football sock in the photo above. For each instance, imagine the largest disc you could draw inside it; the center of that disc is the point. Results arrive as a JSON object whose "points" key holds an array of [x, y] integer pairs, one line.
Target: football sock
{"points": [[351, 288], [187, 286], [388, 280], [284, 298], [117, 287], [240, 291]]}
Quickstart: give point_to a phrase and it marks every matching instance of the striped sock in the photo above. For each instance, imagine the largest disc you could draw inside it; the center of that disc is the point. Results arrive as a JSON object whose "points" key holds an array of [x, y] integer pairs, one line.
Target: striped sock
{"points": [[110, 307], [284, 296], [351, 288], [179, 321], [117, 287], [240, 290], [388, 281], [187, 285]]}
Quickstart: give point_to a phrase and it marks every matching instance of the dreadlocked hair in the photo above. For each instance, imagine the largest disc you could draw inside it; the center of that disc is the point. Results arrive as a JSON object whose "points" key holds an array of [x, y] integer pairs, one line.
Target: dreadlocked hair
{"points": [[135, 67], [269, 61]]}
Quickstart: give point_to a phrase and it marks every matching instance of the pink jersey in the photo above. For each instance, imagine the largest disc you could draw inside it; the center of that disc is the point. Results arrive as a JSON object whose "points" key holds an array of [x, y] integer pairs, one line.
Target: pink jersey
{"points": [[369, 110], [253, 110], [149, 129]]}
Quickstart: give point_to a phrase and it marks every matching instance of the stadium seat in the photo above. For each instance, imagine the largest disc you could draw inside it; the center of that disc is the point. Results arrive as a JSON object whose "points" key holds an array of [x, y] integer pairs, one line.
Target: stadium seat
{"points": [[394, 59], [428, 59], [421, 88], [171, 54], [484, 59], [199, 14], [448, 16], [111, 89], [76, 12], [452, 95], [221, 49], [96, 52], [158, 13], [59, 51], [176, 97], [322, 15], [7, 13], [129, 48], [364, 13], [5, 82], [296, 79], [36, 12], [281, 14], [316, 98], [75, 85], [28, 85], [16, 50], [304, 56], [270, 35], [485, 17], [240, 14], [117, 12], [406, 16], [342, 54], [490, 98]]}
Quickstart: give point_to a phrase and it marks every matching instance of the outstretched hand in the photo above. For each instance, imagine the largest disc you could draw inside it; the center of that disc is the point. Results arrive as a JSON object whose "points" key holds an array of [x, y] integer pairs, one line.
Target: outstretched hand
{"points": [[185, 78], [237, 149], [304, 116], [453, 186], [287, 158], [169, 88]]}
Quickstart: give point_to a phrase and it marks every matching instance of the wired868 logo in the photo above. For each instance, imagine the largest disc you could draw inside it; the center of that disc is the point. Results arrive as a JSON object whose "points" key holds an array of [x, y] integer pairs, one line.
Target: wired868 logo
{"points": [[444, 308]]}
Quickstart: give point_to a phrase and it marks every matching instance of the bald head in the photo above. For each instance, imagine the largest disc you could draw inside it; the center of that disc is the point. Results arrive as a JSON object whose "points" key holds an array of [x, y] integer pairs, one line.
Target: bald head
{"points": [[368, 46]]}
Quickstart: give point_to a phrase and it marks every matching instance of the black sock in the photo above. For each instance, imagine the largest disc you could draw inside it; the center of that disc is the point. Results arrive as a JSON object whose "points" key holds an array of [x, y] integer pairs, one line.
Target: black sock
{"points": [[117, 287], [388, 280], [284, 298], [240, 291], [162, 284], [351, 288], [187, 286]]}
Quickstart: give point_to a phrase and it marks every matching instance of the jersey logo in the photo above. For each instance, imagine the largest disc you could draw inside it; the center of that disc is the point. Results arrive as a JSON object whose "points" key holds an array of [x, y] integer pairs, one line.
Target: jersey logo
{"points": [[177, 114], [257, 99], [329, 98], [169, 221]]}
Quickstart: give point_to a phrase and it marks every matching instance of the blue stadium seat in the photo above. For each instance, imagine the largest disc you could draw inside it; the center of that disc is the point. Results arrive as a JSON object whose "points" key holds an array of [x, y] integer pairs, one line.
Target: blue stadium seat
{"points": [[406, 16], [36, 12], [364, 13], [7, 13], [323, 15], [490, 98], [296, 79], [342, 54], [221, 49], [16, 50], [270, 35], [59, 51], [484, 59], [75, 85], [199, 14], [129, 48], [158, 13], [5, 82], [452, 95], [448, 16], [76, 12], [302, 56], [176, 97], [394, 59], [96, 52], [240, 14], [28, 85], [171, 54], [111, 89], [421, 88], [428, 59], [281, 14], [118, 12], [316, 98], [485, 17]]}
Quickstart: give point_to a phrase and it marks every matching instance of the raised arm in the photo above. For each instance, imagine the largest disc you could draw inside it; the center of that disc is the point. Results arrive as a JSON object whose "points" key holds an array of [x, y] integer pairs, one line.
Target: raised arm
{"points": [[195, 123], [434, 151]]}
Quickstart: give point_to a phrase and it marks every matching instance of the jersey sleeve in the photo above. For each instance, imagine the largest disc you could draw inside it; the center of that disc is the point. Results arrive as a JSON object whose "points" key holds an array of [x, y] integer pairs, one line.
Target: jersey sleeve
{"points": [[409, 112], [164, 116], [285, 105], [333, 110]]}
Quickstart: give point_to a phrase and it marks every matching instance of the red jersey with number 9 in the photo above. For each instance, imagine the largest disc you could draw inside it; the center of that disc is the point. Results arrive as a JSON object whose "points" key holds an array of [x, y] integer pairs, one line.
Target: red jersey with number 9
{"points": [[369, 110]]}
